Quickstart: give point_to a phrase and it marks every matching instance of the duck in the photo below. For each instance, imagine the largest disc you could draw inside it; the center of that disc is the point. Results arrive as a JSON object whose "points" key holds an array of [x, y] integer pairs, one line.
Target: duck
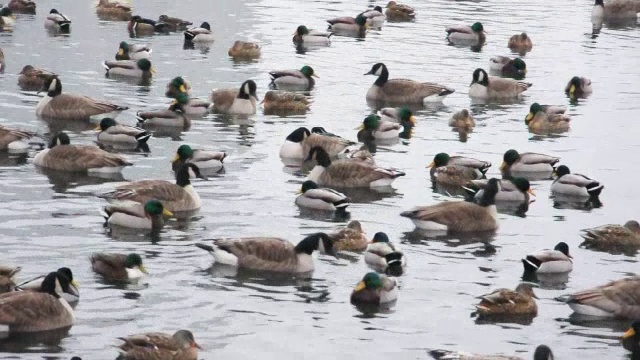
{"points": [[548, 109], [631, 338], [614, 10], [348, 173], [578, 87], [175, 24], [176, 87], [464, 35], [160, 346], [513, 161], [547, 261], [244, 50], [180, 196], [613, 236], [487, 87], [118, 267], [309, 37], [57, 21], [357, 152], [507, 302], [129, 68], [399, 12], [384, 256], [507, 66], [459, 216], [616, 299], [511, 189], [350, 238], [137, 216], [2, 61], [455, 175], [380, 129], [462, 120], [68, 285], [134, 52], [113, 11], [299, 143], [284, 103], [302, 78], [444, 159], [171, 117], [397, 115], [112, 132], [375, 17], [61, 155], [234, 102], [36, 311], [270, 254], [6, 278], [204, 159], [346, 25], [22, 6], [551, 118], [67, 106], [7, 20], [199, 34], [140, 26], [568, 184], [179, 89], [542, 352], [15, 140], [314, 197], [520, 43], [375, 289], [33, 79], [403, 91]]}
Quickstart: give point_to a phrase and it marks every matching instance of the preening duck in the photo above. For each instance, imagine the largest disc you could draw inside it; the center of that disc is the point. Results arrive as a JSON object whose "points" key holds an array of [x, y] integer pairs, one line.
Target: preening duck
{"points": [[128, 51], [557, 260], [520, 43], [57, 21], [7, 283], [33, 79], [14, 140], [201, 34], [350, 238], [506, 66], [578, 87], [384, 256]]}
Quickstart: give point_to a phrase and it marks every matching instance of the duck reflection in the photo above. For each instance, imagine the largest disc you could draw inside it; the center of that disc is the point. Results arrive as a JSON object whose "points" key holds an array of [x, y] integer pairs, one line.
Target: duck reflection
{"points": [[62, 181], [47, 341]]}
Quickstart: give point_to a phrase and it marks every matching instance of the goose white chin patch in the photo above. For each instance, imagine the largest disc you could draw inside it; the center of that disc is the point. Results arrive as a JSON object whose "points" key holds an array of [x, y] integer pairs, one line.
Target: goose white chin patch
{"points": [[53, 84], [480, 76], [378, 71], [246, 89]]}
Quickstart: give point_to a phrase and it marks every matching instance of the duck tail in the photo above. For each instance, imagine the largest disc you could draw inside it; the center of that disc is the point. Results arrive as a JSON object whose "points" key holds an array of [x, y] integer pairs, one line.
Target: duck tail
{"points": [[205, 247], [140, 119], [594, 189], [409, 214], [143, 137], [189, 36], [342, 204], [394, 263], [531, 264]]}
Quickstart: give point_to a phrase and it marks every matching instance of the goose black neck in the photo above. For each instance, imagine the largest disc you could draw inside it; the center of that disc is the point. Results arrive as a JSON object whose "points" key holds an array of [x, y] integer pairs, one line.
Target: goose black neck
{"points": [[384, 76]]}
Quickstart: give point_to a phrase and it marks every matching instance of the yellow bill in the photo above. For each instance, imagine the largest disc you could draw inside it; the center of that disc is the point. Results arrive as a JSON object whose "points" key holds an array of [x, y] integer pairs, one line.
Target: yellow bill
{"points": [[572, 89], [152, 70], [175, 158], [412, 120], [315, 75], [531, 192], [143, 269], [529, 116], [432, 164], [182, 88], [74, 283], [503, 165], [361, 285], [97, 128], [120, 52], [166, 212], [629, 333]]}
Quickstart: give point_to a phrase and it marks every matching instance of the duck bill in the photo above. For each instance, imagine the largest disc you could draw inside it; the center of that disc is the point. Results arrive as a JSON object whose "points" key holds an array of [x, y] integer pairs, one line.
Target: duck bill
{"points": [[629, 333], [529, 117], [412, 120], [143, 269], [531, 192], [361, 285], [120, 52], [262, 101], [299, 192], [361, 127], [152, 70], [182, 88], [196, 345], [97, 128], [432, 164], [572, 89], [503, 166], [74, 283], [167, 213], [175, 158], [315, 76]]}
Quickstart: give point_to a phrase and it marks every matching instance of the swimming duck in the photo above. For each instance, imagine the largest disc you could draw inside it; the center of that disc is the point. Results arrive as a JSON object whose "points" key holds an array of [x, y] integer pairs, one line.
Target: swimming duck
{"points": [[302, 78], [22, 6], [299, 143], [159, 346], [465, 35], [244, 50], [462, 120], [57, 21], [175, 24], [459, 216], [618, 298], [399, 12], [346, 25], [7, 20], [397, 114], [542, 352], [285, 103], [137, 216], [177, 86], [114, 11], [140, 26], [548, 109], [613, 236], [520, 301], [128, 51], [63, 156], [569, 184], [165, 118], [375, 17], [118, 267], [202, 158], [520, 43], [488, 87], [507, 66], [13, 140], [67, 106], [511, 189], [33, 79], [551, 118], [631, 338], [130, 68], [380, 129], [310, 37], [557, 260], [112, 132], [199, 34], [348, 173], [67, 283], [403, 91], [375, 289], [615, 10], [384, 256], [350, 238], [314, 197], [527, 162], [578, 87], [455, 175], [270, 254], [6, 278], [234, 102], [443, 159]]}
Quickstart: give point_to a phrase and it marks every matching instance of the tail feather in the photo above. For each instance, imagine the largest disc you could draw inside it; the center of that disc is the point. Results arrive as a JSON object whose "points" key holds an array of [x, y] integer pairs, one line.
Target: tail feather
{"points": [[205, 247]]}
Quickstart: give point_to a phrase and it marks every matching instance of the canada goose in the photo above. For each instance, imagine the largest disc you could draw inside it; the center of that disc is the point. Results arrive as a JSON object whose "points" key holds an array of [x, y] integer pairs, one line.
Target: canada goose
{"points": [[551, 118], [614, 10], [542, 352], [7, 20], [578, 87], [466, 35], [140, 26], [507, 66], [6, 278], [175, 24], [520, 43], [488, 87], [382, 130], [399, 12], [403, 91], [384, 256], [199, 34], [299, 143], [244, 50], [511, 189], [118, 267], [459, 216], [112, 132], [166, 118], [63, 156], [159, 346], [202, 158], [569, 184], [302, 78], [631, 338], [180, 196], [557, 260], [234, 102], [33, 79], [284, 103], [130, 68], [33, 311], [270, 254], [13, 140], [114, 11], [128, 51], [520, 301], [57, 21], [310, 37], [375, 17], [375, 289], [66, 106], [137, 216], [22, 6], [512, 161], [348, 173], [613, 236], [444, 159], [68, 285], [350, 238], [314, 197], [618, 298], [345, 25], [462, 120]]}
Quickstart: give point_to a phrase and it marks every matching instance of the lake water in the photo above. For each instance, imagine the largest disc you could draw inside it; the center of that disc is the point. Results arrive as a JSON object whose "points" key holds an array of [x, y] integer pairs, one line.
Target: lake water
{"points": [[48, 221]]}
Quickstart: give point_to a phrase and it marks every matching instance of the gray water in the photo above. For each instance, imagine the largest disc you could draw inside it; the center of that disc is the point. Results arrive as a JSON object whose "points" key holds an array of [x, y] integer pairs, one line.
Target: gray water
{"points": [[50, 221]]}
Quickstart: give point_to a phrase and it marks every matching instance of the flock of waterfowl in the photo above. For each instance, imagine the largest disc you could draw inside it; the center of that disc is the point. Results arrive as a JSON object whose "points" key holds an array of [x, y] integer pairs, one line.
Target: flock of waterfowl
{"points": [[47, 302]]}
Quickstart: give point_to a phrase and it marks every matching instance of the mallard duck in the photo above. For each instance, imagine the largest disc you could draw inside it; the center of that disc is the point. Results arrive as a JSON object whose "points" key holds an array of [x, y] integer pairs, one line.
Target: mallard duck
{"points": [[346, 25], [137, 216], [613, 236], [159, 346], [569, 184], [618, 298], [347, 173], [350, 238], [357, 152], [462, 34], [462, 120], [63, 156], [130, 68], [35, 311], [443, 159], [455, 175], [13, 140], [512, 161], [176, 87], [505, 302], [511, 189], [384, 256], [397, 115], [542, 352], [380, 129], [179, 89], [67, 106], [204, 159], [22, 6], [112, 132], [403, 91], [140, 26], [234, 102], [459, 216], [284, 103], [557, 260], [68, 285], [520, 43], [310, 37], [33, 79], [128, 51], [488, 87], [314, 197], [548, 109], [578, 87], [551, 118], [7, 20], [299, 143], [375, 289], [175, 24], [180, 196], [302, 78], [270, 254], [399, 12], [118, 267], [164, 118], [114, 11], [631, 338], [57, 21], [507, 66], [615, 10], [199, 34], [6, 278], [244, 50], [375, 17]]}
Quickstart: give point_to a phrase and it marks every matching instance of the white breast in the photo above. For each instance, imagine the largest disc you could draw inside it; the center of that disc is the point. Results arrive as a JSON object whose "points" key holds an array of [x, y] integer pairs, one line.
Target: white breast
{"points": [[125, 220], [194, 195], [291, 150], [315, 174], [478, 91], [42, 104], [39, 158], [555, 267], [305, 263]]}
